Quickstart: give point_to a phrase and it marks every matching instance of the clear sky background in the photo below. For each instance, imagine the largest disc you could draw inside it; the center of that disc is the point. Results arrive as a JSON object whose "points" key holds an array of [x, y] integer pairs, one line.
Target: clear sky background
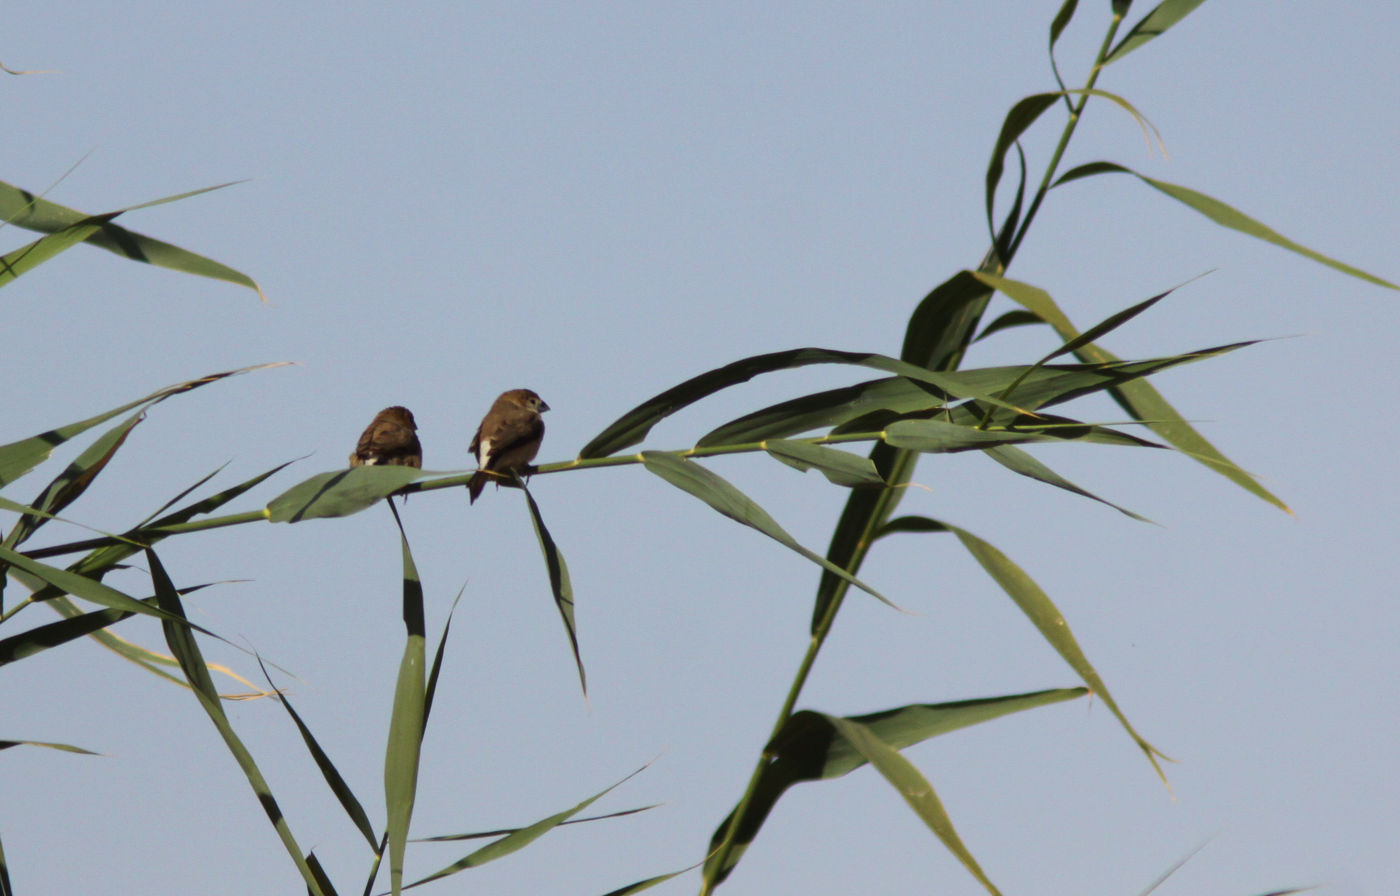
{"points": [[597, 202]]}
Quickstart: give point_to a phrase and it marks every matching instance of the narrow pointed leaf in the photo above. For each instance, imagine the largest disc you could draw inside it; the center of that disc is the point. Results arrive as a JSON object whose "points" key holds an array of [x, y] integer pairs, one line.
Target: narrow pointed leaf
{"points": [[348, 801], [650, 882], [339, 493], [1020, 117], [717, 492], [322, 879], [633, 426], [18, 262], [52, 634], [1139, 397], [436, 669], [1019, 461], [914, 787], [1047, 619], [840, 467], [501, 832], [1224, 215], [69, 485], [559, 584], [809, 748], [24, 209], [406, 721], [66, 748], [1153, 25], [179, 634], [18, 458], [1009, 320], [518, 839]]}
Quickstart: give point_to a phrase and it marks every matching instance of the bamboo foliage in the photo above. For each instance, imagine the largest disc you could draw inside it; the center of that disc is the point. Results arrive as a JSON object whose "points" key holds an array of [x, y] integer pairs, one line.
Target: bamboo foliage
{"points": [[917, 406]]}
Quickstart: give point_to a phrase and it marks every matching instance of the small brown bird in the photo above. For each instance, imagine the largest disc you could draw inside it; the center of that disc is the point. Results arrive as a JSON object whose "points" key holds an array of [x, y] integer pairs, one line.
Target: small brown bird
{"points": [[391, 439], [508, 438]]}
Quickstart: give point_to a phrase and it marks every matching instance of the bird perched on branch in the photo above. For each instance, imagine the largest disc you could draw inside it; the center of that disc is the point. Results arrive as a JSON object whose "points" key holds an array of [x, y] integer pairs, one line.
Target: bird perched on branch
{"points": [[508, 438], [391, 439]]}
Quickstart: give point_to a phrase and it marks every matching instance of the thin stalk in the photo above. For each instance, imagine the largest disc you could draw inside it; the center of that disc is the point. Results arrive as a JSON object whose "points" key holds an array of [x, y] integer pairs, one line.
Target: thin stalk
{"points": [[900, 471]]}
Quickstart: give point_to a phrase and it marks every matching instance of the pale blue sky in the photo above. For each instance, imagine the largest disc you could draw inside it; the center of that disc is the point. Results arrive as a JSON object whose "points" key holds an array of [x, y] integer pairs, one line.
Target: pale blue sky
{"points": [[447, 201]]}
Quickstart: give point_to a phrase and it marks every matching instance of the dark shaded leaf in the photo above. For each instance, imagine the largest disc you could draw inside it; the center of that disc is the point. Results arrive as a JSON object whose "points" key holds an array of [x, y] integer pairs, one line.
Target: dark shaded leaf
{"points": [[66, 748], [482, 835], [1007, 321], [329, 772], [1018, 120], [179, 634], [559, 584], [809, 748]]}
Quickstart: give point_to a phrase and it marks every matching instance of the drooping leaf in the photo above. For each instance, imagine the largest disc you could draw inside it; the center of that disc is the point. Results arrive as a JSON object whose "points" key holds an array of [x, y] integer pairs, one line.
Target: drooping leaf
{"points": [[179, 635], [840, 467], [1018, 120], [25, 209], [559, 584], [348, 801], [914, 787], [810, 748], [1221, 214], [339, 493], [18, 262], [501, 832], [1039, 609], [717, 492], [1019, 461]]}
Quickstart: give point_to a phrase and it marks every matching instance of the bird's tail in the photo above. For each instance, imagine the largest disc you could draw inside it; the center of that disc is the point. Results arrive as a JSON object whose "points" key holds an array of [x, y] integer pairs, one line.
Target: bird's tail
{"points": [[475, 485]]}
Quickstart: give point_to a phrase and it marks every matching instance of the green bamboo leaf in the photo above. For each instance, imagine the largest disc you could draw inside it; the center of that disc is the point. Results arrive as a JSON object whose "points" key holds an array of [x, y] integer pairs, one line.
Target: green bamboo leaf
{"points": [[938, 436], [179, 634], [1057, 27], [348, 801], [840, 467], [559, 584], [339, 492], [500, 832], [1139, 398], [431, 689], [5, 888], [24, 209], [406, 719], [650, 882], [68, 582], [820, 410], [18, 458], [809, 747], [1222, 214], [914, 787], [717, 492], [518, 839], [66, 748], [1018, 120], [69, 485], [633, 426], [1008, 321], [1019, 461], [1153, 25], [322, 879], [51, 634], [21, 261], [1042, 613]]}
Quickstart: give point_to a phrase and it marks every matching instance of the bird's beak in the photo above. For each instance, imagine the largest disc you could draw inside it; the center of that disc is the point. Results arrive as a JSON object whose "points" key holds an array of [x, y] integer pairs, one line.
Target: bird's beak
{"points": [[543, 407]]}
